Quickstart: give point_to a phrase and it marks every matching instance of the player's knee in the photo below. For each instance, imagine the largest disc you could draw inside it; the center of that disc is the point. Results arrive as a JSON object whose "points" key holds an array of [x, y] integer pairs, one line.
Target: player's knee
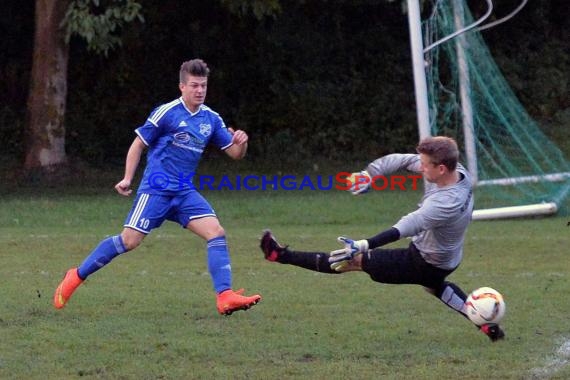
{"points": [[131, 244], [217, 231], [206, 228], [131, 240]]}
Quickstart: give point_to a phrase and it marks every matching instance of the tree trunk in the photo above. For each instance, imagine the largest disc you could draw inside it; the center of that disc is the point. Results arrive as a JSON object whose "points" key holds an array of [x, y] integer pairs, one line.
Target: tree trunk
{"points": [[45, 132]]}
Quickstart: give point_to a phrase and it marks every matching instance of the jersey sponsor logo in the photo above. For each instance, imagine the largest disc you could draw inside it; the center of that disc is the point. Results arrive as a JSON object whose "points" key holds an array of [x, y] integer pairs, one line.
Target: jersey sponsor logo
{"points": [[205, 130], [187, 141], [193, 149], [182, 138]]}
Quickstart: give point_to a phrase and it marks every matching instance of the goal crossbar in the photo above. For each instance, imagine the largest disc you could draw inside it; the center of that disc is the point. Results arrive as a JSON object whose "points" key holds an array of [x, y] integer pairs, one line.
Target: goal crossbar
{"points": [[553, 177], [547, 208]]}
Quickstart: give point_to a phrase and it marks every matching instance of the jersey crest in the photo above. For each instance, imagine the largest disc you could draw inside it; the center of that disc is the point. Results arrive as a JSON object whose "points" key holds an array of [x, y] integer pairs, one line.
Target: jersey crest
{"points": [[205, 130]]}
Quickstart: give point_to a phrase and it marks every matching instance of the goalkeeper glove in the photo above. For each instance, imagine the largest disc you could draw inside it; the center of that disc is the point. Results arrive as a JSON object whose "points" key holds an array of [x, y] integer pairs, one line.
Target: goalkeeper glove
{"points": [[340, 258], [359, 182]]}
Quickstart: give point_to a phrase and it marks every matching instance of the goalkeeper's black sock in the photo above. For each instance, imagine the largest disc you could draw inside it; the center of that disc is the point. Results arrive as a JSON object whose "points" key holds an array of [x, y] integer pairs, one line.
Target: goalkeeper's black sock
{"points": [[315, 261]]}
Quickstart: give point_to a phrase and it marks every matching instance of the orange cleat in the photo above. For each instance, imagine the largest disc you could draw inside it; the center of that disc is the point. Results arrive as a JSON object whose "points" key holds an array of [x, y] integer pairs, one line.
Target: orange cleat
{"points": [[66, 288], [229, 301]]}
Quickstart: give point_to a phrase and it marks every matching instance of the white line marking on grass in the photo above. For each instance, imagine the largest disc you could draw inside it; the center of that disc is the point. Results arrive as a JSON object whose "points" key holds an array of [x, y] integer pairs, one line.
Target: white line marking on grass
{"points": [[560, 360]]}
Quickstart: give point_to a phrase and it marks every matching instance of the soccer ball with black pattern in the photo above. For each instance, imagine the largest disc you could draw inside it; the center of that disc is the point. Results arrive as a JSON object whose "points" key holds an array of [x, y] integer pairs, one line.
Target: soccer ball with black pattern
{"points": [[485, 305]]}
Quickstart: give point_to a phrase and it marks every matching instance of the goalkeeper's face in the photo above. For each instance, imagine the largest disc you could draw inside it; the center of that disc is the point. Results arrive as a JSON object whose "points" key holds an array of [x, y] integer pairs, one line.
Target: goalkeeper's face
{"points": [[431, 171]]}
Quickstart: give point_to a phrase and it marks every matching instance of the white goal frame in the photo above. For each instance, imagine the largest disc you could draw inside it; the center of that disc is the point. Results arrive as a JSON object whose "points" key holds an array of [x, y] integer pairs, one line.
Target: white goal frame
{"points": [[421, 94]]}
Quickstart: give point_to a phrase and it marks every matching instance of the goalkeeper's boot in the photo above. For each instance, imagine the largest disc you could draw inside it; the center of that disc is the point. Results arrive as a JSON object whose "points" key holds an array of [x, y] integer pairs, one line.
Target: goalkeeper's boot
{"points": [[229, 301], [270, 247], [63, 293], [493, 331]]}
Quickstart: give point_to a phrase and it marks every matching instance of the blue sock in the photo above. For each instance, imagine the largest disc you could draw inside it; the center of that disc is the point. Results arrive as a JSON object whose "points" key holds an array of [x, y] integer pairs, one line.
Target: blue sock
{"points": [[219, 264], [102, 255]]}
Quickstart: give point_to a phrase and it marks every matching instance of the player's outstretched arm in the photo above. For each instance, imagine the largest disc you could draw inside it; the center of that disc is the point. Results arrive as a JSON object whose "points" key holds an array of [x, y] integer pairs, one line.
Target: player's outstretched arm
{"points": [[239, 144], [132, 162]]}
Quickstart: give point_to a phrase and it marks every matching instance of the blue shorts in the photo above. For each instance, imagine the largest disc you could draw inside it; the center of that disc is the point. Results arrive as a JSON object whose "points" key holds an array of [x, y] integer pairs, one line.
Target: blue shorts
{"points": [[150, 210]]}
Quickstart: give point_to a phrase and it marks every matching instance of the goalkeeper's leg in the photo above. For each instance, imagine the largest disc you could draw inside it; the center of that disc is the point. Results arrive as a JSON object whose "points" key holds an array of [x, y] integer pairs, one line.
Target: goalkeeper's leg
{"points": [[451, 295], [273, 251]]}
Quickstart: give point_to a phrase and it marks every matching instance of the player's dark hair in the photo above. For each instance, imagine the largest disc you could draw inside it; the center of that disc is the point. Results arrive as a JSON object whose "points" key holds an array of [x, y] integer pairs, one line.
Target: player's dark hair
{"points": [[195, 67], [441, 150]]}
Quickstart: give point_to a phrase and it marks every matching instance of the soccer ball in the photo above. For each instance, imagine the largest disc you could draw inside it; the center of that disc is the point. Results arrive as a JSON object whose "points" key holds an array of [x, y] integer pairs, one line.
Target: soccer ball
{"points": [[485, 305]]}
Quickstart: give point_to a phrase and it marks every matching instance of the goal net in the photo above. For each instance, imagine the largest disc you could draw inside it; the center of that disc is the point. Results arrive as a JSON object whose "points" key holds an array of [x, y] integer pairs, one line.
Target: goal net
{"points": [[516, 167]]}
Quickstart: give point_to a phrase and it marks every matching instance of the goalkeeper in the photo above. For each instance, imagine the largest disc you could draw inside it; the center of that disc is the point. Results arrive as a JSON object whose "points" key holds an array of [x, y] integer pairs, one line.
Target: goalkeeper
{"points": [[437, 229]]}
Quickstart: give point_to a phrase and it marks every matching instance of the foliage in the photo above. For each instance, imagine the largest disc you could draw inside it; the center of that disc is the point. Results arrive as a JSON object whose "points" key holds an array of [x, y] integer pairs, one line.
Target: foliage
{"points": [[287, 79], [259, 8], [328, 78], [98, 23]]}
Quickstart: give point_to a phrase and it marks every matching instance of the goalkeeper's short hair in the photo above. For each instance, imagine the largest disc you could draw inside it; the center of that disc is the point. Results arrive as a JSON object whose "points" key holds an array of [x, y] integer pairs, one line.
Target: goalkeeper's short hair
{"points": [[442, 150]]}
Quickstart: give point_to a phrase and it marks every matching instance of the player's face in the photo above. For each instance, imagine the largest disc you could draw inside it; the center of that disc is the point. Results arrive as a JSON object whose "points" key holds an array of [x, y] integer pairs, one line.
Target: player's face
{"points": [[194, 91], [431, 172]]}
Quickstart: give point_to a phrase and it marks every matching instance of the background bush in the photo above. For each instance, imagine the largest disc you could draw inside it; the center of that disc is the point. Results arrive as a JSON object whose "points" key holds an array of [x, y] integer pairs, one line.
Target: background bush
{"points": [[323, 79]]}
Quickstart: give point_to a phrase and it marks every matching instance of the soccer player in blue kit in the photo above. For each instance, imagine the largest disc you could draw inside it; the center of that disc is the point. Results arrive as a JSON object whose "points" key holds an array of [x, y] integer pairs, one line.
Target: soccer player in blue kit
{"points": [[176, 134], [437, 229]]}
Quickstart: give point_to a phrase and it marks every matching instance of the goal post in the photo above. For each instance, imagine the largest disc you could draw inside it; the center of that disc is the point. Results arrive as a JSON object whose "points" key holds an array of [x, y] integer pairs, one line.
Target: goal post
{"points": [[420, 83], [460, 92]]}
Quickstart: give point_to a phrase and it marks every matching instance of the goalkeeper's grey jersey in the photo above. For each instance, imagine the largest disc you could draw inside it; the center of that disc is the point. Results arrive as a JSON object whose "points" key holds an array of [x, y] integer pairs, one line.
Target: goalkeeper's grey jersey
{"points": [[438, 226]]}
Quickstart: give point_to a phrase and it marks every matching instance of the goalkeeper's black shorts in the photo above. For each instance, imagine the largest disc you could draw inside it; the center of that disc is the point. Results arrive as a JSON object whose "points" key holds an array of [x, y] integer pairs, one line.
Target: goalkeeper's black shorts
{"points": [[402, 266]]}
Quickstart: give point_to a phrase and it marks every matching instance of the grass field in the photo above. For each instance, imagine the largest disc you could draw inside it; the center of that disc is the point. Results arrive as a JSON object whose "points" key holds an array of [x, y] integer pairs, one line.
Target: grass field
{"points": [[151, 313]]}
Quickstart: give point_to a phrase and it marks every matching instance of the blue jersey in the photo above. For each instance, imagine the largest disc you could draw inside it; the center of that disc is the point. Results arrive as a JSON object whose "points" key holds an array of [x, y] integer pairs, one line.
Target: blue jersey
{"points": [[176, 139]]}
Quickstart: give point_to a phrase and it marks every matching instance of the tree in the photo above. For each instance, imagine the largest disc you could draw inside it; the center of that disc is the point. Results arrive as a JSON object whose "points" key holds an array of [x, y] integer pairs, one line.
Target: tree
{"points": [[56, 21], [45, 133], [97, 22]]}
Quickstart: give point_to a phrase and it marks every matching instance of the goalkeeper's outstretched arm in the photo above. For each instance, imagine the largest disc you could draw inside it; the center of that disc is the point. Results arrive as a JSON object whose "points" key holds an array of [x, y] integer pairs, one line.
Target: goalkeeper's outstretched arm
{"points": [[385, 237], [360, 182], [341, 260], [393, 163]]}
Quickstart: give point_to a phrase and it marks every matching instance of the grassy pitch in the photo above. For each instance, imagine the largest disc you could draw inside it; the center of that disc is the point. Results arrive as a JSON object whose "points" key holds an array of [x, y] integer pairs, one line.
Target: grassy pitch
{"points": [[151, 313]]}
